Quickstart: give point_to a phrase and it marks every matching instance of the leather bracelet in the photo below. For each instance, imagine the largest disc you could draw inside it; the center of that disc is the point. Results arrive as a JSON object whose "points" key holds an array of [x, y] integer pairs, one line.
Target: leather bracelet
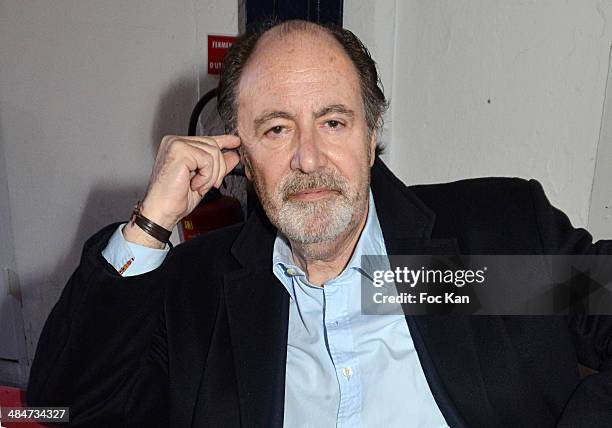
{"points": [[151, 228]]}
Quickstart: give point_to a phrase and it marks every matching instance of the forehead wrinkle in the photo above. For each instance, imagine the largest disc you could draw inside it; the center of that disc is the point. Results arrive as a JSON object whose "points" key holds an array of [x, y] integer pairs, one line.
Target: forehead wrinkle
{"points": [[289, 72], [309, 81]]}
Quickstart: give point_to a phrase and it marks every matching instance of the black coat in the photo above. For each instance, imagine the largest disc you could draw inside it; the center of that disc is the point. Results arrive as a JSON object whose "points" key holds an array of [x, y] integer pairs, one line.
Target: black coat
{"points": [[202, 340]]}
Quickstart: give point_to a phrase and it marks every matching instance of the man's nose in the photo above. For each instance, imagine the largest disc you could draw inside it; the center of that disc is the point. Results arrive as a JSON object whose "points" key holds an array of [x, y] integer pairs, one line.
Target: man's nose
{"points": [[308, 156]]}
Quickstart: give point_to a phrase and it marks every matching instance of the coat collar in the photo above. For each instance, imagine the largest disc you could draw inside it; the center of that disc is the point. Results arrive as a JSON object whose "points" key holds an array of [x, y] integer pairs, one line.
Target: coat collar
{"points": [[402, 215], [258, 311]]}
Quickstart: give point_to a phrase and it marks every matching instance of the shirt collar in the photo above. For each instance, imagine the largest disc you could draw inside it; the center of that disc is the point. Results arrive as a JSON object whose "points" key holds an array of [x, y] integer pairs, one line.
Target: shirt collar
{"points": [[371, 242]]}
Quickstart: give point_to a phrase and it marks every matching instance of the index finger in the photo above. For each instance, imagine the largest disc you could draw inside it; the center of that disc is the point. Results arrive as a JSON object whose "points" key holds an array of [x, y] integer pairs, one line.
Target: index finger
{"points": [[223, 141]]}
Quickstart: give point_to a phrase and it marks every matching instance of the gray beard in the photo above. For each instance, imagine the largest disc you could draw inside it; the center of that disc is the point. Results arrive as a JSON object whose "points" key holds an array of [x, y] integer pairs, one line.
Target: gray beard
{"points": [[317, 221], [310, 222]]}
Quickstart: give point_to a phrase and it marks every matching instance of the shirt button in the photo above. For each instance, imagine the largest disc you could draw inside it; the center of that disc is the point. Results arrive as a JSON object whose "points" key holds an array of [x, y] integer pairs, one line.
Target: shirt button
{"points": [[332, 324], [291, 272], [347, 372]]}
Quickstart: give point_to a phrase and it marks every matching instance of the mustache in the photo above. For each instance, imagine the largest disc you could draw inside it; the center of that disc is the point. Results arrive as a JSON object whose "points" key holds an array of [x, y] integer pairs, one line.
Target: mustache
{"points": [[299, 182]]}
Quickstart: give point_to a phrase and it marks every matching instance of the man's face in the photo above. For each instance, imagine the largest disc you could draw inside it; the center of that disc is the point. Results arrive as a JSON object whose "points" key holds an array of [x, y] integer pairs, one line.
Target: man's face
{"points": [[304, 136]]}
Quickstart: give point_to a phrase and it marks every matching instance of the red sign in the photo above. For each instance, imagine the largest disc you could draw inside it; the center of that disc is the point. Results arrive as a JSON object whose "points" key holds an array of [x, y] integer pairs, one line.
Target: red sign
{"points": [[217, 48]]}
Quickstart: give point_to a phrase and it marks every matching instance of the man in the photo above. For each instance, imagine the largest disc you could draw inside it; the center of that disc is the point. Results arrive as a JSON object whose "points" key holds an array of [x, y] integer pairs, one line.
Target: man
{"points": [[260, 324]]}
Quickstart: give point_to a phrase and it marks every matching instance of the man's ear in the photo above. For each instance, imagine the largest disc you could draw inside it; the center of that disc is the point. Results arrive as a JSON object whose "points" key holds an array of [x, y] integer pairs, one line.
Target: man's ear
{"points": [[372, 148], [246, 163], [373, 142]]}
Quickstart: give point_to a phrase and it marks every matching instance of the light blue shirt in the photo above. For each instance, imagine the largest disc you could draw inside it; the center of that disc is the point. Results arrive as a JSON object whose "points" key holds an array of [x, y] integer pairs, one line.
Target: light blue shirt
{"points": [[344, 369]]}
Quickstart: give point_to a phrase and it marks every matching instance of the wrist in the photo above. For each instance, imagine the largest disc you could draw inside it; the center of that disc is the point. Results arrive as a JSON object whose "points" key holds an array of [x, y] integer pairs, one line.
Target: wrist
{"points": [[165, 221], [144, 230], [133, 233]]}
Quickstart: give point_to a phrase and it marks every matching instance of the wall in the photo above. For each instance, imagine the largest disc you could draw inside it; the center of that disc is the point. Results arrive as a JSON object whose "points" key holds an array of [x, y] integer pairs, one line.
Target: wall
{"points": [[375, 24], [600, 212], [88, 90], [506, 88], [12, 337]]}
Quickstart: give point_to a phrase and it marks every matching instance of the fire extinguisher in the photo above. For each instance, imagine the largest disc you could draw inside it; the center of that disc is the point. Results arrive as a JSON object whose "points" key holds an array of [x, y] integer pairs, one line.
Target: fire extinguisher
{"points": [[215, 210]]}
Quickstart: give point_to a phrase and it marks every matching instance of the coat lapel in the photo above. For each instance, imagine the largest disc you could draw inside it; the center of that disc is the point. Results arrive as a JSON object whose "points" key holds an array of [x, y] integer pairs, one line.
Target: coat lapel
{"points": [[258, 314], [443, 343]]}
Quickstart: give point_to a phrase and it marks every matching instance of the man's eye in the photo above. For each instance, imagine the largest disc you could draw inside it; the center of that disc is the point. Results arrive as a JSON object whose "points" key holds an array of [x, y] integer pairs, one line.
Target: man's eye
{"points": [[276, 130], [334, 124]]}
